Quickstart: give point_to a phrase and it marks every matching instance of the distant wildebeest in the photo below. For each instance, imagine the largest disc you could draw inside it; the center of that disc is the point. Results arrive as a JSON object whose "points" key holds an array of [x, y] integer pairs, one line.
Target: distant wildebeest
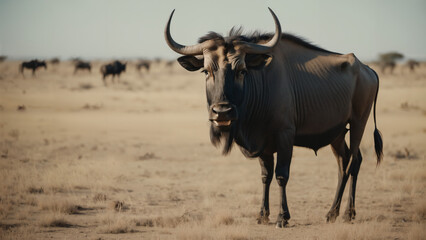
{"points": [[388, 64], [412, 64], [388, 60], [268, 93], [3, 58], [33, 65], [55, 61], [143, 64], [82, 65], [170, 63], [114, 68]]}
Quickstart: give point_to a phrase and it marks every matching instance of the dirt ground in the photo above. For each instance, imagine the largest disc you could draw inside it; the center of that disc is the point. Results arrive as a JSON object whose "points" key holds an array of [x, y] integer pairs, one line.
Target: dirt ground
{"points": [[134, 161]]}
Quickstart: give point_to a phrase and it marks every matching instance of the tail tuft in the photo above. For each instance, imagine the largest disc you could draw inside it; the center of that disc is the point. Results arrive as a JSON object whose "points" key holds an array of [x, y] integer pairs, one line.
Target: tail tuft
{"points": [[378, 145]]}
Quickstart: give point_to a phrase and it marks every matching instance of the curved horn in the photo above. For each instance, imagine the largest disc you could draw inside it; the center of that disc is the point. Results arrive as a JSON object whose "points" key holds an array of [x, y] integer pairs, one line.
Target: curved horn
{"points": [[185, 50], [267, 47]]}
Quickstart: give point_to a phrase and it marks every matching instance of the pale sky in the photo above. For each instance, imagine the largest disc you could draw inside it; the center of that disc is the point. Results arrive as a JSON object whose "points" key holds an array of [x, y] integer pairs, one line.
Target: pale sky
{"points": [[134, 28]]}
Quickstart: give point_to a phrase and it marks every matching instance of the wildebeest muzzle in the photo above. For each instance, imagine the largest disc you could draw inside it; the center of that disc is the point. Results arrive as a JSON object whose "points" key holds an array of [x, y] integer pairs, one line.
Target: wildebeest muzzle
{"points": [[222, 115]]}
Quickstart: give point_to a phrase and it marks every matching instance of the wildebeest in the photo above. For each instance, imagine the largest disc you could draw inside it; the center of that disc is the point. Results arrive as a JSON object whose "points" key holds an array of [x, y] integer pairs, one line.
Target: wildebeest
{"points": [[33, 65], [82, 65], [270, 92], [55, 61], [114, 68], [388, 64], [143, 64], [388, 60], [412, 64], [3, 58], [170, 63]]}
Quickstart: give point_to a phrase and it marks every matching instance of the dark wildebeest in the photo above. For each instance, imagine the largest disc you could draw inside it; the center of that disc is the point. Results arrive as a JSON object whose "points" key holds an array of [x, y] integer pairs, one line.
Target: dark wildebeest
{"points": [[143, 64], [82, 65], [3, 58], [269, 93], [114, 68], [33, 65]]}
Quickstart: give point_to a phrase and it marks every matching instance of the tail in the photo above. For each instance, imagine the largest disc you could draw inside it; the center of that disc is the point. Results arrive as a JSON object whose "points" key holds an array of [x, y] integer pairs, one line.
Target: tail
{"points": [[21, 68], [378, 142]]}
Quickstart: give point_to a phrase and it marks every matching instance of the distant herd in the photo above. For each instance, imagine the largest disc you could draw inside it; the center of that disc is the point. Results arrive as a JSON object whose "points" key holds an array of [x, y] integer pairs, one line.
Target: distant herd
{"points": [[113, 69]]}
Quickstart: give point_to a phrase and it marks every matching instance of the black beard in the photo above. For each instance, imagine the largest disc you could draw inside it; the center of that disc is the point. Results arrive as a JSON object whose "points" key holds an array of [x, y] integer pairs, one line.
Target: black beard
{"points": [[218, 136]]}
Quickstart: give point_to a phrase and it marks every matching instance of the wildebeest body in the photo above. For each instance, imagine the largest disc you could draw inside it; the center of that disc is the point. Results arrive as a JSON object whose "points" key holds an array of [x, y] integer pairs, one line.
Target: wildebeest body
{"points": [[114, 68], [143, 64], [82, 65], [33, 65]]}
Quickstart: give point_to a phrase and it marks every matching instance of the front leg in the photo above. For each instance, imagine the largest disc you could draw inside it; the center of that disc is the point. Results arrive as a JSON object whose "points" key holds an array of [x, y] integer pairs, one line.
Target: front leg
{"points": [[267, 171], [282, 172]]}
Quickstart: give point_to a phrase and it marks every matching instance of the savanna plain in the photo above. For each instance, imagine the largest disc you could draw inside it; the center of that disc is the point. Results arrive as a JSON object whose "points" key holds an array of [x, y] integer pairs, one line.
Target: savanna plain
{"points": [[133, 160]]}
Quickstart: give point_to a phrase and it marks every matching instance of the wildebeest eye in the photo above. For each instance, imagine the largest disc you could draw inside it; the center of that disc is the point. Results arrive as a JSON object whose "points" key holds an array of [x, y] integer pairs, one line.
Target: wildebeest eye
{"points": [[242, 72], [207, 73]]}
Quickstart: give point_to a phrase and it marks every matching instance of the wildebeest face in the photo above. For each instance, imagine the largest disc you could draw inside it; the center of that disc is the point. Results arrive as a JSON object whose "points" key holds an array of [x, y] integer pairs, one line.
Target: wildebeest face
{"points": [[226, 68], [229, 64]]}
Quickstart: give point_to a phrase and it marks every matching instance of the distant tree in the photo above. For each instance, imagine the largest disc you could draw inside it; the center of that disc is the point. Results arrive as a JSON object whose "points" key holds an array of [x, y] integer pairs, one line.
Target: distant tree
{"points": [[391, 56], [388, 60]]}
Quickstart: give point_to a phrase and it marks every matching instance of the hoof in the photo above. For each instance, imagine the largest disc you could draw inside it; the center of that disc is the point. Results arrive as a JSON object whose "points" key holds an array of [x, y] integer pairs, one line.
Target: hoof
{"points": [[263, 217], [281, 224], [282, 220], [331, 216], [349, 215], [262, 220]]}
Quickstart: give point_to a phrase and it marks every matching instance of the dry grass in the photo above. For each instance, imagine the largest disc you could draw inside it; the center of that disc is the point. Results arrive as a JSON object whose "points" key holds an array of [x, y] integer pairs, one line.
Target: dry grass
{"points": [[19, 233], [417, 232], [116, 224], [420, 211], [36, 190], [119, 206], [188, 217], [223, 218], [207, 233], [99, 197], [58, 205], [360, 231], [86, 86], [55, 220]]}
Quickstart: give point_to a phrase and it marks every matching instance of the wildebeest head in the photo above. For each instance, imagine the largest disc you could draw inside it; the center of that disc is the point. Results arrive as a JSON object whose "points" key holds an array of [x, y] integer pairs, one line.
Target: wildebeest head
{"points": [[226, 63], [120, 67], [42, 64]]}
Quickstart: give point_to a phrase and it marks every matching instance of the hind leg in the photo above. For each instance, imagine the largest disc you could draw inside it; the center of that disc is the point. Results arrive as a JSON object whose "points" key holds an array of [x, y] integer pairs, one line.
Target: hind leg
{"points": [[350, 210], [357, 130], [341, 151]]}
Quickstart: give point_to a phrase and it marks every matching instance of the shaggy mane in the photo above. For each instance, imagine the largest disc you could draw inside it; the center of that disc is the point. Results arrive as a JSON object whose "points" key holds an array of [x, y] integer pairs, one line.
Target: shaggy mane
{"points": [[236, 33]]}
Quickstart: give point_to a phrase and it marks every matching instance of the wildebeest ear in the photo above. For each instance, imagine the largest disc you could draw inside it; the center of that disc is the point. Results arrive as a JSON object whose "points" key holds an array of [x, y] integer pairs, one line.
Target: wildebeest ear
{"points": [[256, 61], [191, 63]]}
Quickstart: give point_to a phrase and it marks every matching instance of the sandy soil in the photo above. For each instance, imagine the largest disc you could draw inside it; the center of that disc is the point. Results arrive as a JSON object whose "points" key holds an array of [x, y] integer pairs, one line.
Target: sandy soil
{"points": [[133, 161]]}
